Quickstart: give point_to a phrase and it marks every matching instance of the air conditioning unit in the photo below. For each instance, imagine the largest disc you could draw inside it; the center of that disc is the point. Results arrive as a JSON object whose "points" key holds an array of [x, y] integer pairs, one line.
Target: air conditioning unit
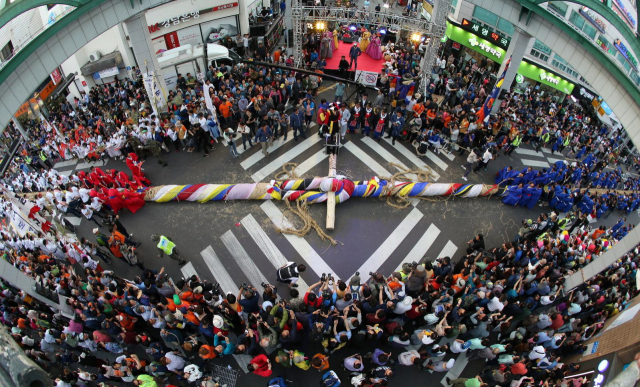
{"points": [[94, 56]]}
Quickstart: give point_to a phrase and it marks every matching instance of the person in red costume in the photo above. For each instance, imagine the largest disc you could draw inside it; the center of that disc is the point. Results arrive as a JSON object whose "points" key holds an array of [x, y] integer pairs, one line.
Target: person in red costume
{"points": [[107, 180], [136, 169], [122, 179], [260, 365], [133, 201], [115, 200]]}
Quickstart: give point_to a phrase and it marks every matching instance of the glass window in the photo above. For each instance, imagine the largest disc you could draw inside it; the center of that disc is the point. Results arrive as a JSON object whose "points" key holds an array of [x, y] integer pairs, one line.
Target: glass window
{"points": [[620, 57], [454, 3], [626, 66], [506, 27], [589, 30], [538, 45], [576, 19], [485, 15], [558, 7]]}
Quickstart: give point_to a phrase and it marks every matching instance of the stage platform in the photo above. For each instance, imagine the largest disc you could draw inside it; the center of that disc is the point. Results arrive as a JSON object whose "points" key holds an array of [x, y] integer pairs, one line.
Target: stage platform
{"points": [[365, 62]]}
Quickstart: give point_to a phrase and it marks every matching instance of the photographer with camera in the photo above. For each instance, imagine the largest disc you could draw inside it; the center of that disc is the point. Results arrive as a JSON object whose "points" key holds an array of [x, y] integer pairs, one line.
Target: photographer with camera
{"points": [[251, 301]]}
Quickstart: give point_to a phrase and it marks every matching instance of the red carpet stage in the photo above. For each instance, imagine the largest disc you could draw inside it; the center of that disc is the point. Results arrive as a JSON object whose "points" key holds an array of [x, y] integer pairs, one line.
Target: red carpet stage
{"points": [[365, 62]]}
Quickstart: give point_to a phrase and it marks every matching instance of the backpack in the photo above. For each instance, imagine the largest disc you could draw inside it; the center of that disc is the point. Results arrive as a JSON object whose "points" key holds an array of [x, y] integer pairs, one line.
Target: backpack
{"points": [[330, 380]]}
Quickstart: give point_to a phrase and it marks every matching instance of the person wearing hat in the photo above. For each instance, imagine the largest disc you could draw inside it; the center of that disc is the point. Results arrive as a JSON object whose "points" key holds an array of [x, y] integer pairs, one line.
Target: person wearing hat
{"points": [[166, 246]]}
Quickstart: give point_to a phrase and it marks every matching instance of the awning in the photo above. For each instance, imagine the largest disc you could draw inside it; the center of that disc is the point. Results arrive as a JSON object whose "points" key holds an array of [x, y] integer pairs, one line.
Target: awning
{"points": [[63, 86], [108, 61]]}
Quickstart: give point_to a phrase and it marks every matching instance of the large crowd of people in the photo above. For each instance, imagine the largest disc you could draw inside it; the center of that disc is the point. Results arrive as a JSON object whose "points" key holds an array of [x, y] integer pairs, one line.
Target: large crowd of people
{"points": [[502, 304]]}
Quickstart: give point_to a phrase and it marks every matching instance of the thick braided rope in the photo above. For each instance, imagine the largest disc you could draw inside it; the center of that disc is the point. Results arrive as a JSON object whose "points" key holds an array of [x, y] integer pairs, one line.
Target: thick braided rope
{"points": [[315, 190]]}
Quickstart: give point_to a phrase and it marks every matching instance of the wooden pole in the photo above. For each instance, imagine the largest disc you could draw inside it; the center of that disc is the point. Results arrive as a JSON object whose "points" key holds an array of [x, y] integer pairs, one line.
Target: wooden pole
{"points": [[331, 196]]}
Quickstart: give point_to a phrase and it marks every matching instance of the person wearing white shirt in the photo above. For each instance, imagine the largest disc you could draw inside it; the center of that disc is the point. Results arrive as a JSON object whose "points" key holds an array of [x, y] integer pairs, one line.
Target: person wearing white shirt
{"points": [[173, 362], [84, 195], [88, 213], [538, 352], [495, 304]]}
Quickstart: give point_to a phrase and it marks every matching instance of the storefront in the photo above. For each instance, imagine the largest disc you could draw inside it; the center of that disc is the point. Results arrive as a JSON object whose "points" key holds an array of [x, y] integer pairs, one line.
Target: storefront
{"points": [[471, 46], [542, 79], [193, 22]]}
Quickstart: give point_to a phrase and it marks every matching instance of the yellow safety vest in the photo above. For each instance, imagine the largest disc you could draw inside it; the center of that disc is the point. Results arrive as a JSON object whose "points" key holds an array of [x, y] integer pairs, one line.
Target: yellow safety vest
{"points": [[43, 157], [517, 141], [166, 245]]}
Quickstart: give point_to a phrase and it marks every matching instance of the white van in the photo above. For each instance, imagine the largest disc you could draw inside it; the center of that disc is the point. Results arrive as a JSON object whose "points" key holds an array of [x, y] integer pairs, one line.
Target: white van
{"points": [[181, 60], [218, 55]]}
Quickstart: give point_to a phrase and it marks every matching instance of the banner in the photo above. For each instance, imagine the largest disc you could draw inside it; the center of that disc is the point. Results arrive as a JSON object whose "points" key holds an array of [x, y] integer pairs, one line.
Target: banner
{"points": [[24, 217], [368, 78], [483, 113], [154, 91]]}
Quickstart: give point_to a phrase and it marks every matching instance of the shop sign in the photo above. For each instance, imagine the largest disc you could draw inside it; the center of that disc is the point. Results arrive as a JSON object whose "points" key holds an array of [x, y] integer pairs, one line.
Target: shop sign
{"points": [[536, 73], [519, 78], [625, 52], [624, 14], [600, 378], [106, 73], [456, 46], [56, 76], [484, 33], [549, 78], [586, 94], [474, 42], [177, 20], [593, 18]]}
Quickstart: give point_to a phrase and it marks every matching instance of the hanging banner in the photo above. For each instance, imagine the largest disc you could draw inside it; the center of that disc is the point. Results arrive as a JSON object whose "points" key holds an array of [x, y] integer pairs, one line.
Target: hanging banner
{"points": [[154, 91], [368, 78], [483, 113]]}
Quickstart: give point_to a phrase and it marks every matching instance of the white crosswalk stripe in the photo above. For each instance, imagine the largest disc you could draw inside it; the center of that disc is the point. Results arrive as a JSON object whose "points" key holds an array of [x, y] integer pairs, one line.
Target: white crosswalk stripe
{"points": [[545, 150], [529, 152], [285, 158], [392, 242], [448, 155], [268, 248], [311, 162], [553, 161], [218, 270], [372, 164], [449, 249], [535, 163], [73, 220], [65, 163], [188, 270], [240, 256], [456, 370], [411, 155], [312, 259], [98, 163], [386, 155], [66, 173], [422, 246]]}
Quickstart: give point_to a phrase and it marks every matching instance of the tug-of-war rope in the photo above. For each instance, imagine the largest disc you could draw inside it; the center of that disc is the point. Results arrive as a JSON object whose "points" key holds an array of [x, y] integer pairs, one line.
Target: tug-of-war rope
{"points": [[288, 187]]}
